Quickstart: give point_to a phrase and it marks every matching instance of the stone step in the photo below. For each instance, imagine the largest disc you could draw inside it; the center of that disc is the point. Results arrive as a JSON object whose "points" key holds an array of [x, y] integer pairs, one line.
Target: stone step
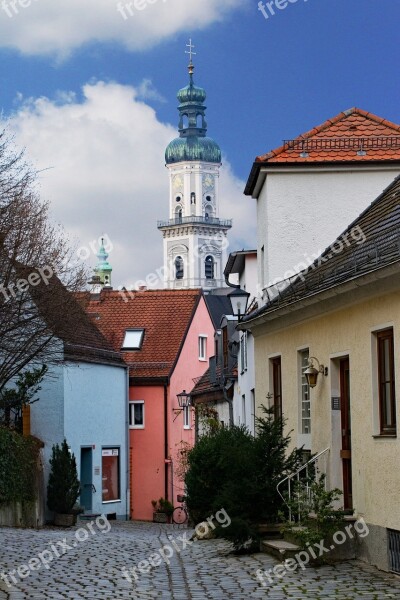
{"points": [[270, 531], [281, 549]]}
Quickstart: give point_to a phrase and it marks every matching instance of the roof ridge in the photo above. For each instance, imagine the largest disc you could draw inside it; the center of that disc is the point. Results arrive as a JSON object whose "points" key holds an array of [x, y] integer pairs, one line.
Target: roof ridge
{"points": [[325, 125]]}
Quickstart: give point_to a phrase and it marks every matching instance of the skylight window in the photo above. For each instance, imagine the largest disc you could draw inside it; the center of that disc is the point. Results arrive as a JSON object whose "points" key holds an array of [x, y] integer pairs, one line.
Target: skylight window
{"points": [[133, 339]]}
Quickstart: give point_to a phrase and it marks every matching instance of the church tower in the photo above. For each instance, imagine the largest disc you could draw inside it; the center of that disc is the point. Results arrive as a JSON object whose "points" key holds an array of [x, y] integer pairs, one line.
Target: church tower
{"points": [[195, 242], [102, 272]]}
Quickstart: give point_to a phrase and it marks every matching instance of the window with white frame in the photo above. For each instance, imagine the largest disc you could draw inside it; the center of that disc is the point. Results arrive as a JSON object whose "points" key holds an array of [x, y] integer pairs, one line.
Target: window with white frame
{"points": [[186, 418], [202, 347], [136, 414], [243, 352], [305, 401], [110, 470]]}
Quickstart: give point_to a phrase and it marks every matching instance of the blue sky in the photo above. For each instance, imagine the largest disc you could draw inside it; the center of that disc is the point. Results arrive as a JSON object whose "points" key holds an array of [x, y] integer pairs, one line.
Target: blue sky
{"points": [[266, 80]]}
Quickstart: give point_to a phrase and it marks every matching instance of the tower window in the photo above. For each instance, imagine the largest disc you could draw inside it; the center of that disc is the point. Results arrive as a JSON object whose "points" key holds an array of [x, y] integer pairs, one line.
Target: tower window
{"points": [[208, 198], [179, 267], [209, 267], [178, 214], [192, 198], [208, 213], [178, 198]]}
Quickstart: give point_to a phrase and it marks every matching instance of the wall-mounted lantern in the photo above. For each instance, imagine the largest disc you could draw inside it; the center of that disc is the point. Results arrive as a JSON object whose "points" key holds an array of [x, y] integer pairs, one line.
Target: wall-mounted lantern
{"points": [[311, 373]]}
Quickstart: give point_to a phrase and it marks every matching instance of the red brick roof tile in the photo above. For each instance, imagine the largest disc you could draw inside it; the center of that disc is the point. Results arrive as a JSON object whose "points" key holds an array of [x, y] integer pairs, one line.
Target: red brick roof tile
{"points": [[340, 139], [165, 315]]}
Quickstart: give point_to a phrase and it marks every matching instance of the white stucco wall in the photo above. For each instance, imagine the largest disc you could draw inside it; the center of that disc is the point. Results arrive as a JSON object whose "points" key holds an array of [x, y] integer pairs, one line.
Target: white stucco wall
{"points": [[245, 386], [299, 214]]}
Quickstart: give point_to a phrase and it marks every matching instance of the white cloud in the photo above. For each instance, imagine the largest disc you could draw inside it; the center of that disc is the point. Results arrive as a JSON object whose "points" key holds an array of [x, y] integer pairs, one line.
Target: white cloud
{"points": [[107, 173], [59, 26]]}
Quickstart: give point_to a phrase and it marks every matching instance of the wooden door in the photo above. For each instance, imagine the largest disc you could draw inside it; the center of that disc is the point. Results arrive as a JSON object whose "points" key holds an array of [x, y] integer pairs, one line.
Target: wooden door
{"points": [[345, 453]]}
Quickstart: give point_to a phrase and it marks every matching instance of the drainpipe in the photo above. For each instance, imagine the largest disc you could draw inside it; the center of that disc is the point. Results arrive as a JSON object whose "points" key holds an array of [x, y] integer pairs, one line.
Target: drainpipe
{"points": [[229, 400], [230, 405], [128, 452], [166, 465], [229, 284]]}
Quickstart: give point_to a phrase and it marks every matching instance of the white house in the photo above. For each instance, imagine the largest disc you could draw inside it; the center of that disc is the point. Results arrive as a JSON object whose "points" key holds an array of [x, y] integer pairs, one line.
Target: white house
{"points": [[310, 188], [243, 264]]}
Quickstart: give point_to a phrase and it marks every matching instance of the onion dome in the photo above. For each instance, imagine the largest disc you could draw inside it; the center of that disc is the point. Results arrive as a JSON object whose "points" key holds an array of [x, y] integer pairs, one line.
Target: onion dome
{"points": [[192, 143]]}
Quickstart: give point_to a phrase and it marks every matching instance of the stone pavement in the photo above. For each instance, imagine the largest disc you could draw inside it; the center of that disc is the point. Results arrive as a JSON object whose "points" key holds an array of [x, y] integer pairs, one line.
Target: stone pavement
{"points": [[93, 568]]}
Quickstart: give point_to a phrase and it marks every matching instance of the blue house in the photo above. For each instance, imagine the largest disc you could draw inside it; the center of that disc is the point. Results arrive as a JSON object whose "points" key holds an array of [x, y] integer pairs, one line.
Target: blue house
{"points": [[84, 399]]}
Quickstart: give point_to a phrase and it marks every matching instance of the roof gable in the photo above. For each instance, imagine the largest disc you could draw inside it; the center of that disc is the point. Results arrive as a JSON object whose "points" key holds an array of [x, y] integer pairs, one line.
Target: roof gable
{"points": [[165, 316], [341, 139], [66, 319], [353, 136]]}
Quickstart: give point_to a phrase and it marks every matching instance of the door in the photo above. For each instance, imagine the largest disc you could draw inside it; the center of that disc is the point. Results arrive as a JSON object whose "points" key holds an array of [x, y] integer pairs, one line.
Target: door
{"points": [[345, 453], [86, 479]]}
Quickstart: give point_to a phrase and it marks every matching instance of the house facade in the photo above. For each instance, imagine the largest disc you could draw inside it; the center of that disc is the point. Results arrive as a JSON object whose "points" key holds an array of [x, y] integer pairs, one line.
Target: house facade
{"points": [[83, 399], [243, 264], [310, 188], [343, 318], [165, 337]]}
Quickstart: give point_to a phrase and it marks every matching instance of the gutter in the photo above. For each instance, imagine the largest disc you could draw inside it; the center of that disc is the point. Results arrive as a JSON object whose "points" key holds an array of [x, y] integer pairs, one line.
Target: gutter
{"points": [[128, 453], [253, 185], [166, 464]]}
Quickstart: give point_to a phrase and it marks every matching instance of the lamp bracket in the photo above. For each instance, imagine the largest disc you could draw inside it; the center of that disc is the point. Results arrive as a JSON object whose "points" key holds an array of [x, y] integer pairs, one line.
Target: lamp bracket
{"points": [[321, 368]]}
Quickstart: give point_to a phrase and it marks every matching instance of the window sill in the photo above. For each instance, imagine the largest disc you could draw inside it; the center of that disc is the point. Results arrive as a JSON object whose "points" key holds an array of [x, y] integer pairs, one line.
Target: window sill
{"points": [[136, 427], [202, 359], [110, 501], [384, 436], [187, 427]]}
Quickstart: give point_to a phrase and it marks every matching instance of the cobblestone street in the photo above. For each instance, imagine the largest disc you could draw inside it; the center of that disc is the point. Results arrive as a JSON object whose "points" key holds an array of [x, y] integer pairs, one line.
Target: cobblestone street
{"points": [[93, 569]]}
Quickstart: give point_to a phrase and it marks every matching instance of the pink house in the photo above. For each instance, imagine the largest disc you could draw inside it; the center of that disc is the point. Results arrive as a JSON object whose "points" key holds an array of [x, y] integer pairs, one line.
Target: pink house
{"points": [[166, 338]]}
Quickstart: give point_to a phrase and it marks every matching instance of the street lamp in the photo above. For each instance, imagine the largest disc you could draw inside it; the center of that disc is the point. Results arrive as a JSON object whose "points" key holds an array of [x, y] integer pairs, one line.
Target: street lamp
{"points": [[238, 299], [184, 399]]}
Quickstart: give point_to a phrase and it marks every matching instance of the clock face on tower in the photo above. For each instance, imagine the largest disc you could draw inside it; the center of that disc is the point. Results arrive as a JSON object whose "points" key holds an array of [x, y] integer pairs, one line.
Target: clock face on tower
{"points": [[177, 182], [208, 182]]}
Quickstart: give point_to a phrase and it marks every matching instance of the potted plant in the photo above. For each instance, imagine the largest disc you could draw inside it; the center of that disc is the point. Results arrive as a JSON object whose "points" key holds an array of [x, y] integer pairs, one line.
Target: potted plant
{"points": [[63, 488], [162, 510]]}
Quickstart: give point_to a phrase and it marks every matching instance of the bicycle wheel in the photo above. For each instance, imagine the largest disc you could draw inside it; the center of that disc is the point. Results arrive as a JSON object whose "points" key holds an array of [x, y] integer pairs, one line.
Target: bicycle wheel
{"points": [[179, 516]]}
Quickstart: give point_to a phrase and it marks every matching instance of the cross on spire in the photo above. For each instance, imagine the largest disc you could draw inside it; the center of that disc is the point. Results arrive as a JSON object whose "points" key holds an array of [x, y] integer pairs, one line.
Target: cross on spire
{"points": [[190, 51]]}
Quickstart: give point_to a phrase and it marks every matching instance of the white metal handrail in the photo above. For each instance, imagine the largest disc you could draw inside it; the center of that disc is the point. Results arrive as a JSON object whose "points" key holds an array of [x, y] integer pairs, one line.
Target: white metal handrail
{"points": [[296, 476]]}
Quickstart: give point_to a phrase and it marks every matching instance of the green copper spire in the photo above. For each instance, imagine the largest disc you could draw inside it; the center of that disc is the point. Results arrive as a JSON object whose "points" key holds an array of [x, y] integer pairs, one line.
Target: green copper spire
{"points": [[192, 144], [103, 268]]}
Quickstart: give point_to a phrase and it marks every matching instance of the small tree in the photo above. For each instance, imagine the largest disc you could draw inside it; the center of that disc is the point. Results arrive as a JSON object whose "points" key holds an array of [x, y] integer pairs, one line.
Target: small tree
{"points": [[12, 400], [63, 488], [231, 469], [273, 461]]}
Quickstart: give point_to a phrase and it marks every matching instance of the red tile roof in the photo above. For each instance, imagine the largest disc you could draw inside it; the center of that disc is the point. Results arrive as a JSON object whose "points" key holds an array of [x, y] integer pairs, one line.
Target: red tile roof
{"points": [[354, 136], [351, 126], [165, 315]]}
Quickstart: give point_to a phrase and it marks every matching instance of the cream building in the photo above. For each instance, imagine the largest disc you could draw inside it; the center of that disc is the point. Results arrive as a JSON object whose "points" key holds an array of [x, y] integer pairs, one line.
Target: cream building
{"points": [[344, 311]]}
